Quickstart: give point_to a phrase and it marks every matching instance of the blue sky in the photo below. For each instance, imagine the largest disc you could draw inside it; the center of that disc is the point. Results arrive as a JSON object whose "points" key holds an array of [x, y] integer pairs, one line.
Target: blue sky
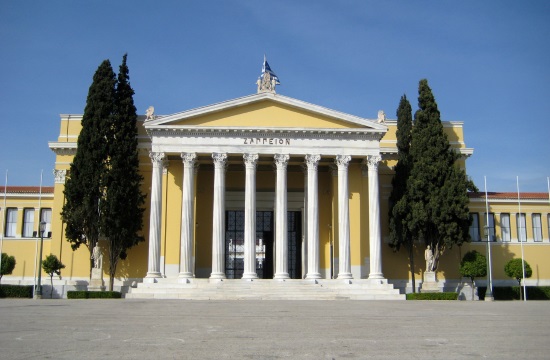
{"points": [[487, 63]]}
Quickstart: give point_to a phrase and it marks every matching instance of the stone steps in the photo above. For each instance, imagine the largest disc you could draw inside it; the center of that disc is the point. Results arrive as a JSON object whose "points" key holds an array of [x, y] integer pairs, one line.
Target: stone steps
{"points": [[259, 289]]}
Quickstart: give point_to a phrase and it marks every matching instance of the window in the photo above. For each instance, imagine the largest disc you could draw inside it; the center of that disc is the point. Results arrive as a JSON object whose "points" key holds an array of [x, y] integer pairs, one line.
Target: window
{"points": [[537, 227], [28, 222], [520, 221], [11, 221], [505, 227], [491, 227], [474, 227], [46, 216], [548, 222]]}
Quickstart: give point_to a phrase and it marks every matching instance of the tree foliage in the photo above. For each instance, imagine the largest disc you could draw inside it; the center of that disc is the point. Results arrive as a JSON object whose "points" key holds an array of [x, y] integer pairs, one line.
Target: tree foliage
{"points": [[514, 269], [103, 196], [473, 265], [8, 264], [84, 186], [437, 187], [51, 266], [123, 205], [399, 211]]}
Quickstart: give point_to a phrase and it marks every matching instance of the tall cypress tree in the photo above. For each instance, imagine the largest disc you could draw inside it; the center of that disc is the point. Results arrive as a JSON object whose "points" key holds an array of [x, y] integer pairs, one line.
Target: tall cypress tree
{"points": [[84, 185], [399, 211], [122, 208], [437, 188]]}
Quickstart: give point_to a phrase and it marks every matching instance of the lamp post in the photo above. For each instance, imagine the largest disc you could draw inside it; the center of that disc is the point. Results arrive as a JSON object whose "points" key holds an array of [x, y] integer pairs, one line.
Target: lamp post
{"points": [[489, 292], [38, 292]]}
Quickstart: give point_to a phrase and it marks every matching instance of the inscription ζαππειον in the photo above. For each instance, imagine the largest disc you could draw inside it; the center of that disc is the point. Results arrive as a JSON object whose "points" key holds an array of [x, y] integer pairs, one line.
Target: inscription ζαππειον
{"points": [[265, 141]]}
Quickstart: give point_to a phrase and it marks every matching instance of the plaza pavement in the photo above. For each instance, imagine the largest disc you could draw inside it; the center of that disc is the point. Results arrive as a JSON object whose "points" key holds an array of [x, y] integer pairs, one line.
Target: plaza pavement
{"points": [[179, 329]]}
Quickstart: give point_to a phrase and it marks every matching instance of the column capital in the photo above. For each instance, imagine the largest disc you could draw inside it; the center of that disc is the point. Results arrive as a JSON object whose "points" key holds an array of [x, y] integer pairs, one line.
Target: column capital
{"points": [[250, 160], [372, 161], [189, 159], [157, 157], [220, 159], [312, 160], [281, 160], [342, 161], [59, 176]]}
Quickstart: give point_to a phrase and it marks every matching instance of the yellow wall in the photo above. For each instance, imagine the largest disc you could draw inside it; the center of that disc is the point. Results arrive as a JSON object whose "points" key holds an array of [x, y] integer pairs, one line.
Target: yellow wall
{"points": [[395, 265], [267, 114]]}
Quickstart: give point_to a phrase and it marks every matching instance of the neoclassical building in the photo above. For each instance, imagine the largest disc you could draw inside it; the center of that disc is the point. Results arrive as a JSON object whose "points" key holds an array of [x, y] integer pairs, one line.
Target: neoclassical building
{"points": [[269, 189]]}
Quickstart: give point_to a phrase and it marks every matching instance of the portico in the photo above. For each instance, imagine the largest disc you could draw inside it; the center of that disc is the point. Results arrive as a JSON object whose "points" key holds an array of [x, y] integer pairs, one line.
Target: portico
{"points": [[266, 137]]}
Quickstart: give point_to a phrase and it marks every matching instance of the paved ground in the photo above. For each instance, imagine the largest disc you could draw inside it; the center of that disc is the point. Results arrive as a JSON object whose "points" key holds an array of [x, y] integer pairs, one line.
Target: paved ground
{"points": [[172, 329]]}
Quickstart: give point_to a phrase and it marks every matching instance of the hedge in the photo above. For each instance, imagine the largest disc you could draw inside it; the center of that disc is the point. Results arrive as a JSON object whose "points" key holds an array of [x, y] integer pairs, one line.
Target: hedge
{"points": [[16, 291], [512, 292], [94, 295], [433, 296]]}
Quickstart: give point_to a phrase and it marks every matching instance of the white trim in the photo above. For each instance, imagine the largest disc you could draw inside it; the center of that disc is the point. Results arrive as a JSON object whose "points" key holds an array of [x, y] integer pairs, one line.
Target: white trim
{"points": [[250, 99]]}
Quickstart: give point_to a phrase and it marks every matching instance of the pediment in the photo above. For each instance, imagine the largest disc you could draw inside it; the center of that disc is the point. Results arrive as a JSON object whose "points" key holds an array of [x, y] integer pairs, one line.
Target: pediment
{"points": [[265, 110]]}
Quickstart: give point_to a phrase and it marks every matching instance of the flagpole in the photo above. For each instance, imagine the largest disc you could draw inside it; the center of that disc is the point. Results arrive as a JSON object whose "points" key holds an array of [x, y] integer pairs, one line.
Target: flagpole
{"points": [[521, 242], [36, 261], [489, 292], [3, 219]]}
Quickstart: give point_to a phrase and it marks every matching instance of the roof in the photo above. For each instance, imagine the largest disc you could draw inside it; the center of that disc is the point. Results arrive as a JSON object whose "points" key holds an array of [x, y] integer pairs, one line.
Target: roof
{"points": [[509, 195], [276, 98], [27, 190]]}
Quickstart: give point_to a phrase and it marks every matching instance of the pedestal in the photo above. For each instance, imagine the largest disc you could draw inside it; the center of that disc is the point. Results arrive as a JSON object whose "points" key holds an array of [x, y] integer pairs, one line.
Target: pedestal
{"points": [[430, 283], [97, 283]]}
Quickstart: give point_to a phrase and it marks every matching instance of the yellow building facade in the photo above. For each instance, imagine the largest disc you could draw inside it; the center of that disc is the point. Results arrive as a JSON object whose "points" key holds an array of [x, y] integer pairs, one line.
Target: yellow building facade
{"points": [[269, 187]]}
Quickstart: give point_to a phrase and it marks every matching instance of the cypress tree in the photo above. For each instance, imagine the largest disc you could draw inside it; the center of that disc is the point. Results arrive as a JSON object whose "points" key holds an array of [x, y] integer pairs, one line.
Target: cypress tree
{"points": [[399, 205], [84, 185], [122, 208], [437, 188]]}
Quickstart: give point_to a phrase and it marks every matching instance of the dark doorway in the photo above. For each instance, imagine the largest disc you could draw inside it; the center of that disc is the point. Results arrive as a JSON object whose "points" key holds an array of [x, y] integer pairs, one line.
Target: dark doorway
{"points": [[234, 244]]}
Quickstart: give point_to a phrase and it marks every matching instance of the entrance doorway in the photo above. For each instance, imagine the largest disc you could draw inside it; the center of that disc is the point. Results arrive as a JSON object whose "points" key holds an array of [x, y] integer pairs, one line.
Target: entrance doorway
{"points": [[234, 244]]}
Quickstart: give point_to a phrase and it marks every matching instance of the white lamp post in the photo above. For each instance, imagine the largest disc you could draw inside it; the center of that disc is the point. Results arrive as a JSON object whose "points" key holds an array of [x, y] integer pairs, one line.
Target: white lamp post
{"points": [[38, 292]]}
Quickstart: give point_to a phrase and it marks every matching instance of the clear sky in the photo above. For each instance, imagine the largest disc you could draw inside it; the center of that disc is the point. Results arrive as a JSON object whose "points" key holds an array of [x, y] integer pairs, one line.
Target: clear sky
{"points": [[487, 63]]}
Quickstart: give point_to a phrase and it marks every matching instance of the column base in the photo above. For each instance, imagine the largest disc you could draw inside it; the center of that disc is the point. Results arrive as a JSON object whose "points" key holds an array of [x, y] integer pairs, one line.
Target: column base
{"points": [[152, 277], [313, 276], [281, 276], [185, 275], [217, 276], [249, 276], [376, 276], [345, 276]]}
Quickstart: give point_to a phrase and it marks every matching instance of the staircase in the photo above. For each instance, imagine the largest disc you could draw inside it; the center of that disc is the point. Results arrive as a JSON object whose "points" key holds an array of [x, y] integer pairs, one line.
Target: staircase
{"points": [[260, 289]]}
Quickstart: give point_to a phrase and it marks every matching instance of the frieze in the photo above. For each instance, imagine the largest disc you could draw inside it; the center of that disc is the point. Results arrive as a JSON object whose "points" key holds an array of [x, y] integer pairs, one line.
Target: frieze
{"points": [[265, 141]]}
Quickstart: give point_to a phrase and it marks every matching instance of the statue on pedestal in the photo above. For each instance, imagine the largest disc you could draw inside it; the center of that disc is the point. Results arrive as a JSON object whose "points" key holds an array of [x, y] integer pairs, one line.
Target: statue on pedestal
{"points": [[96, 281], [97, 257], [429, 257]]}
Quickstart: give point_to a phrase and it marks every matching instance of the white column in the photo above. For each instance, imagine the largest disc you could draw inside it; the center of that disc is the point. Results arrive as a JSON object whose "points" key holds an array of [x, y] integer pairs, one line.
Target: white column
{"points": [[187, 218], [153, 267], [250, 161], [344, 271], [218, 217], [312, 218], [281, 218], [375, 236], [304, 225]]}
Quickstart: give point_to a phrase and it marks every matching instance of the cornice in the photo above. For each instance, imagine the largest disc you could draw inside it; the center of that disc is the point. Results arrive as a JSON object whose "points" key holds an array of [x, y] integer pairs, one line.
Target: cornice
{"points": [[221, 106], [464, 152], [358, 133]]}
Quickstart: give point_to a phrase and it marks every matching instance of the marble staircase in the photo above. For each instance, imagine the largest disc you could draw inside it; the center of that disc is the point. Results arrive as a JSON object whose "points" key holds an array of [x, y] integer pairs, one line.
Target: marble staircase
{"points": [[260, 289]]}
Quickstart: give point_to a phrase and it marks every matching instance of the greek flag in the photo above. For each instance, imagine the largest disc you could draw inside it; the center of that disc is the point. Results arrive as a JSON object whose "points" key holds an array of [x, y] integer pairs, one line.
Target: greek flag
{"points": [[267, 68]]}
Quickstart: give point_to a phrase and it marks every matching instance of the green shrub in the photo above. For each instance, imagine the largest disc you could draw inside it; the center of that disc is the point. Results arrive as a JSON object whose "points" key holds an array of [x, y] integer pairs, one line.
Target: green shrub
{"points": [[433, 296], [94, 295], [16, 291], [512, 293]]}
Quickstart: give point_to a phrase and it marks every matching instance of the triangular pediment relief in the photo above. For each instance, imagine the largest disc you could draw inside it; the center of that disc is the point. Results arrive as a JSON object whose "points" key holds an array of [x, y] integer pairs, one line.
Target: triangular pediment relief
{"points": [[265, 110]]}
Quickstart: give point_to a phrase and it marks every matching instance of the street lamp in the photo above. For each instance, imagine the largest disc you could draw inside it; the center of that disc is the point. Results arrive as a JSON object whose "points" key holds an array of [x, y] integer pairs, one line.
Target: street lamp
{"points": [[489, 292], [38, 291]]}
